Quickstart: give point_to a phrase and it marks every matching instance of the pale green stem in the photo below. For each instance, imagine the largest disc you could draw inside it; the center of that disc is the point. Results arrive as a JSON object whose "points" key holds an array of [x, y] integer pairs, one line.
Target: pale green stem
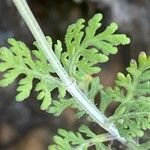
{"points": [[95, 140], [70, 84]]}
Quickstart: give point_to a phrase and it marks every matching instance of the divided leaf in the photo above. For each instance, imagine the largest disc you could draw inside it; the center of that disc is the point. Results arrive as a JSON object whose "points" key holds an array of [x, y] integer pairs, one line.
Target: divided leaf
{"points": [[132, 92], [68, 140], [24, 88], [19, 60], [86, 47]]}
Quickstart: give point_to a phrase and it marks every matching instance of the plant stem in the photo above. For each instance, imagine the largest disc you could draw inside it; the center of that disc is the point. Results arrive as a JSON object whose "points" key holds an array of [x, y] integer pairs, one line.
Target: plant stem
{"points": [[71, 86], [97, 139]]}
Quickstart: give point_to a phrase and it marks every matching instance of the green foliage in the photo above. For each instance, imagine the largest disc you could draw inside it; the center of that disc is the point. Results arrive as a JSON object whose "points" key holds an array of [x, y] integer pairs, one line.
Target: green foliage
{"points": [[132, 91], [59, 106], [85, 48], [91, 90], [68, 140], [19, 60]]}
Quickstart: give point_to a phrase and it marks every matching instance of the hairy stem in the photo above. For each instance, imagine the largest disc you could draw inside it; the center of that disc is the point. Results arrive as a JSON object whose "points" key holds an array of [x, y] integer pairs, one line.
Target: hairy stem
{"points": [[71, 86]]}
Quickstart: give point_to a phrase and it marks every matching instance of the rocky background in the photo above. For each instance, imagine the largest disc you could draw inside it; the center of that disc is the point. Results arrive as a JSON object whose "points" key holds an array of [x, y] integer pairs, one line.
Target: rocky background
{"points": [[22, 125]]}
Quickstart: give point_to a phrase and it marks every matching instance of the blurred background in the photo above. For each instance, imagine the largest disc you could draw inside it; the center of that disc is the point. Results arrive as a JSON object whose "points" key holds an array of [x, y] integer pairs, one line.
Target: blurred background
{"points": [[22, 125]]}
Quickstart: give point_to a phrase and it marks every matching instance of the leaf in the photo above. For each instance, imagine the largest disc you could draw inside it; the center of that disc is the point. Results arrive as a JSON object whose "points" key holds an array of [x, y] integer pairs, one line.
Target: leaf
{"points": [[9, 77], [132, 116], [86, 47], [60, 105], [18, 60], [68, 140], [24, 88]]}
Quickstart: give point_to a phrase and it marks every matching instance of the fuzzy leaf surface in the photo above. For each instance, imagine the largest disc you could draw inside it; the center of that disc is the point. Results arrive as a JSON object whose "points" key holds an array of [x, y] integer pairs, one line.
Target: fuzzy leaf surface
{"points": [[19, 60], [132, 91]]}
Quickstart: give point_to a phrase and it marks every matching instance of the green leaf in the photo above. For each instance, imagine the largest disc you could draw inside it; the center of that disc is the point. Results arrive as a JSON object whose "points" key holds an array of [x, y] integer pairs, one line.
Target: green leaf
{"points": [[86, 47], [19, 60], [24, 88], [68, 140], [60, 105], [9, 77], [132, 116]]}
